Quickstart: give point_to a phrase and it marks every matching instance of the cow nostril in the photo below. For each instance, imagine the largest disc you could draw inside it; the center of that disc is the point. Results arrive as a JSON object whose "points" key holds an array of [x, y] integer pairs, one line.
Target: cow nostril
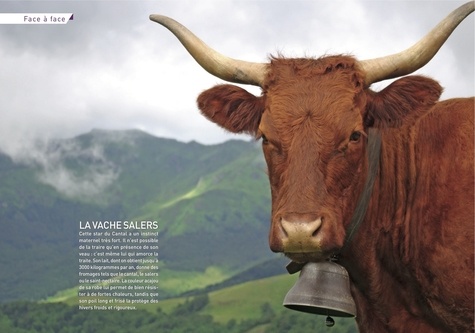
{"points": [[283, 230], [318, 227]]}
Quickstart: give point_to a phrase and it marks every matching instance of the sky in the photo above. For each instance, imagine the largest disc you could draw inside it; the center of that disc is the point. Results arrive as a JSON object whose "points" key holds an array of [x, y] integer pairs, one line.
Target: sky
{"points": [[112, 68]]}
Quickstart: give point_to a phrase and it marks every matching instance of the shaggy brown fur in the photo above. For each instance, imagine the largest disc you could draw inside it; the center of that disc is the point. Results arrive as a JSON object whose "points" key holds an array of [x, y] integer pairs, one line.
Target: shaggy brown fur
{"points": [[411, 262]]}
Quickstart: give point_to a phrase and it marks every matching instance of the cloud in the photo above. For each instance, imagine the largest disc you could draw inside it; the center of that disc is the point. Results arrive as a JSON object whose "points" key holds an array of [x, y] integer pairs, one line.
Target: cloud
{"points": [[77, 168], [86, 185]]}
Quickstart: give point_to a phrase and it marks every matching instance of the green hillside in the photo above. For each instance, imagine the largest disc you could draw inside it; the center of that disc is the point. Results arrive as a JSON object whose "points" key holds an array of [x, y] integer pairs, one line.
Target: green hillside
{"points": [[242, 301], [254, 300], [212, 204], [251, 307]]}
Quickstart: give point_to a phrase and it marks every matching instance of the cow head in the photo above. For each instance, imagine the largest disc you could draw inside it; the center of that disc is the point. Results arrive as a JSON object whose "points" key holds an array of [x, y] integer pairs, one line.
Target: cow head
{"points": [[313, 118]]}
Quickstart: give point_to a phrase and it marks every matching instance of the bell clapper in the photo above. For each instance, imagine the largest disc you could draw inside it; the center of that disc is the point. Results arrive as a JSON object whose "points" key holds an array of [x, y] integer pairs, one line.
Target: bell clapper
{"points": [[329, 321]]}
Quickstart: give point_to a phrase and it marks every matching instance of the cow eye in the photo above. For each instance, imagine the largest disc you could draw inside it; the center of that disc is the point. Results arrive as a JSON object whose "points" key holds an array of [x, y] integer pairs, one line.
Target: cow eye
{"points": [[264, 139], [355, 136]]}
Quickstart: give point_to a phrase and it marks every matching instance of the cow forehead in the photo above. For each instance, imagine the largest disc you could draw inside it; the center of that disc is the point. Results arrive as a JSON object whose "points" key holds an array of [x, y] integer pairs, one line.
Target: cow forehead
{"points": [[313, 99], [312, 107], [321, 89]]}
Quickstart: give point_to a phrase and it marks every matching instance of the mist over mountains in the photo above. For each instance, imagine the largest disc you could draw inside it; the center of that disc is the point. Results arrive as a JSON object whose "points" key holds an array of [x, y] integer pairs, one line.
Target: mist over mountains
{"points": [[212, 204]]}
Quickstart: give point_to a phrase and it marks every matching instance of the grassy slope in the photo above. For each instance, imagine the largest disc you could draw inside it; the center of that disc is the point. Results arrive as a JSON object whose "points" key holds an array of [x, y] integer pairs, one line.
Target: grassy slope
{"points": [[244, 302], [239, 302]]}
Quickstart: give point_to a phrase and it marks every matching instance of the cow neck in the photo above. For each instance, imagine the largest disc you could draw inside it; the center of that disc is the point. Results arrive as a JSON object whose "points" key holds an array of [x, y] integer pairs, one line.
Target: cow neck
{"points": [[373, 153]]}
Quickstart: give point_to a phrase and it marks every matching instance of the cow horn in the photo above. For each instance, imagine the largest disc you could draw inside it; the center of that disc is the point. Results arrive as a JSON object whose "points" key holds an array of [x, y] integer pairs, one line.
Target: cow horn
{"points": [[419, 54], [219, 65]]}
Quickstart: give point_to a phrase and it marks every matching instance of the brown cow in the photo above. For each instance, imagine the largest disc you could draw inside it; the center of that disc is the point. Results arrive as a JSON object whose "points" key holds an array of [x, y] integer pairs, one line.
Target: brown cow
{"points": [[411, 259]]}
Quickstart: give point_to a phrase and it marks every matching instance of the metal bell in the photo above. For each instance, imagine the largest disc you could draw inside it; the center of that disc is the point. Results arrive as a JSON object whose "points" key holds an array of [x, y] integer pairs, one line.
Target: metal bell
{"points": [[322, 288]]}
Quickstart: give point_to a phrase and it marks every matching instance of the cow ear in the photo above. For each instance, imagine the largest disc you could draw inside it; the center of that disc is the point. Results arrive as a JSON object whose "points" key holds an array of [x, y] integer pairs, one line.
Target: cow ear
{"points": [[402, 102], [232, 108]]}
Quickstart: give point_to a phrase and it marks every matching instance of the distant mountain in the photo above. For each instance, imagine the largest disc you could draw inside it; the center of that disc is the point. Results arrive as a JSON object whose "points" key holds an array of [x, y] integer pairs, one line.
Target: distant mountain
{"points": [[212, 204]]}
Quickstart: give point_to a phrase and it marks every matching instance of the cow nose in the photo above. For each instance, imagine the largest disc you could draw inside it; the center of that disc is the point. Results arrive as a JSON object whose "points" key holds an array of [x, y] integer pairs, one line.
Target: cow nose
{"points": [[300, 234]]}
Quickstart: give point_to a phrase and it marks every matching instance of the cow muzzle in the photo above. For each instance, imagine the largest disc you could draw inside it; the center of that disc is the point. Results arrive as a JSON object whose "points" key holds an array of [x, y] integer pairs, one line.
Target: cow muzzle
{"points": [[301, 236], [297, 234]]}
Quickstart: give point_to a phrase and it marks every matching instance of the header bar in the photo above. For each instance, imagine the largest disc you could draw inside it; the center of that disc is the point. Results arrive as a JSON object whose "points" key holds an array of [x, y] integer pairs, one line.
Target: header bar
{"points": [[36, 18]]}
